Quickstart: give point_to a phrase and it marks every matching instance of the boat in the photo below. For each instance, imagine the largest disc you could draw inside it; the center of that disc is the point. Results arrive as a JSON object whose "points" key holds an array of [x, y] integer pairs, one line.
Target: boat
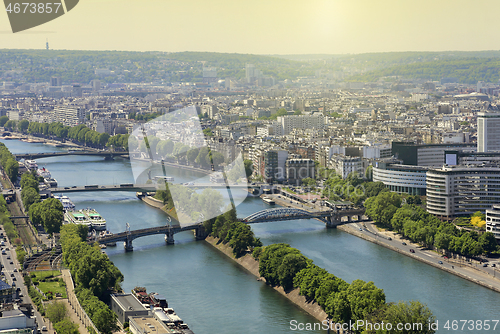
{"points": [[107, 233], [163, 179], [66, 202], [43, 172], [31, 164], [51, 182], [88, 217], [268, 200]]}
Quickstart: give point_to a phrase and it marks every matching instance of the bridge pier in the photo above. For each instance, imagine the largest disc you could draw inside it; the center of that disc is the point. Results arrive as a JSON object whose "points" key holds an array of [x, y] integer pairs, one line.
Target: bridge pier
{"points": [[128, 245], [333, 221], [200, 233], [169, 238]]}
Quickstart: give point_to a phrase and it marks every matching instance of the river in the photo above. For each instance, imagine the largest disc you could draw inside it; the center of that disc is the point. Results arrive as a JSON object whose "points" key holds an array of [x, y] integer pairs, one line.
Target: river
{"points": [[214, 295]]}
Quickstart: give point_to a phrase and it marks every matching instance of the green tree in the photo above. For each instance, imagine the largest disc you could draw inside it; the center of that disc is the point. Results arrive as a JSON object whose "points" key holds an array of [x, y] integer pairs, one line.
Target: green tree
{"points": [[208, 132], [52, 215], [29, 196], [248, 167], [56, 311], [22, 126], [192, 154], [364, 298], [3, 120], [66, 327], [12, 169], [413, 312]]}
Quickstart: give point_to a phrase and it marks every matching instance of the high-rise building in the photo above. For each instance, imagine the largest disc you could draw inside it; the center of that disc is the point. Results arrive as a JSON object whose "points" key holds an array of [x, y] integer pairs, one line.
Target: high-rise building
{"points": [[55, 81], [493, 221], [488, 132], [288, 123]]}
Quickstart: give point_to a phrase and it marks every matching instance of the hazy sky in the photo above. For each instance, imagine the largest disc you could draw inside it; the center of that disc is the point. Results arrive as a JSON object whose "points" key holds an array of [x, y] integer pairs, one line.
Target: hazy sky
{"points": [[267, 26]]}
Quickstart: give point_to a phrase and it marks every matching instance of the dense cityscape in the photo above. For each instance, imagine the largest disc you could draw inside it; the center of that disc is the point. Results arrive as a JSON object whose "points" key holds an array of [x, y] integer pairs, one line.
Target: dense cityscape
{"points": [[399, 149]]}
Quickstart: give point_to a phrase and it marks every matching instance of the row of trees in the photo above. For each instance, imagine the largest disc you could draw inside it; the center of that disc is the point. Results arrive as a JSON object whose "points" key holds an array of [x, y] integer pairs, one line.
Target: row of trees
{"points": [[9, 163], [94, 275], [170, 150], [414, 223], [229, 230], [48, 213], [58, 315], [353, 188], [282, 265], [80, 133]]}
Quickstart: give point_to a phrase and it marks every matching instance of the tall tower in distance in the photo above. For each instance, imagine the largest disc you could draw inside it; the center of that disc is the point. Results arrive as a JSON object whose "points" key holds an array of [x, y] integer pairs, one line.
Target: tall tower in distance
{"points": [[47, 44]]}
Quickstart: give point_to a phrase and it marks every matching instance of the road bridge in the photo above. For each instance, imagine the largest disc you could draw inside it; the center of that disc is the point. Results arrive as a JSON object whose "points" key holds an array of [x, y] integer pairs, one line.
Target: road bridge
{"points": [[36, 156], [137, 187], [168, 230], [331, 218]]}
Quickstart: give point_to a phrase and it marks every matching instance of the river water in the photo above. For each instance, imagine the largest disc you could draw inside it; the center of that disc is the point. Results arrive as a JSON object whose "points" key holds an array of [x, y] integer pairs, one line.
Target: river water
{"points": [[214, 295]]}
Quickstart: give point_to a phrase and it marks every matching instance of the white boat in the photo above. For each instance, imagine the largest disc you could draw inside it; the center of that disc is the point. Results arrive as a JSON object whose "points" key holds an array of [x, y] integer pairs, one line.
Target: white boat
{"points": [[43, 172], [268, 200], [51, 182], [31, 164], [88, 217], [66, 202]]}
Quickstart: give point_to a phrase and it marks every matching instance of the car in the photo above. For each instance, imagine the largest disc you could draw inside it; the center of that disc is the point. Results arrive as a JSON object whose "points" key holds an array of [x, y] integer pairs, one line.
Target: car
{"points": [[73, 187], [404, 244], [66, 187], [8, 257], [485, 264], [440, 262], [11, 262], [493, 265], [389, 238], [14, 279], [11, 275], [412, 251], [15, 270], [360, 229], [44, 328]]}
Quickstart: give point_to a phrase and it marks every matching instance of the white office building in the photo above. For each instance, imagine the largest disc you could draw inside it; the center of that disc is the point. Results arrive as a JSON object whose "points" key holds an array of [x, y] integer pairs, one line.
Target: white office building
{"points": [[493, 221], [401, 178], [462, 190], [289, 123], [488, 132]]}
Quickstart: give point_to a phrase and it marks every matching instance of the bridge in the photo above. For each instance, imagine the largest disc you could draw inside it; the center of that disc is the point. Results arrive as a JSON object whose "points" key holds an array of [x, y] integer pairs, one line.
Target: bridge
{"points": [[168, 230], [331, 218], [106, 154], [137, 187]]}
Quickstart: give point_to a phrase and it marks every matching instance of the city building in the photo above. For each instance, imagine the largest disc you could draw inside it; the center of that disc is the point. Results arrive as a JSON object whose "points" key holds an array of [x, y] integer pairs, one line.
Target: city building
{"points": [[299, 169], [127, 305], [493, 221], [345, 165], [69, 115], [401, 178], [426, 154], [289, 123], [462, 190], [488, 132]]}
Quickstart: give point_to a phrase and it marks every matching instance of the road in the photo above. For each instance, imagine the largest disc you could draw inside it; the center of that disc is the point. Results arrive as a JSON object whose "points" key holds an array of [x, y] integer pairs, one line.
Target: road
{"points": [[13, 276], [474, 271]]}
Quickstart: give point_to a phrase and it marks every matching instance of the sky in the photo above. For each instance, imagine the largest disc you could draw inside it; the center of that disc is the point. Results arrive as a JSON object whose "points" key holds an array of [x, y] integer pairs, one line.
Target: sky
{"points": [[267, 26]]}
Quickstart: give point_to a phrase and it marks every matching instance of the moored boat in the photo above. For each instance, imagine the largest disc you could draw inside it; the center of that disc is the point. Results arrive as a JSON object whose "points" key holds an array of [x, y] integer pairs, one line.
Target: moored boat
{"points": [[88, 217]]}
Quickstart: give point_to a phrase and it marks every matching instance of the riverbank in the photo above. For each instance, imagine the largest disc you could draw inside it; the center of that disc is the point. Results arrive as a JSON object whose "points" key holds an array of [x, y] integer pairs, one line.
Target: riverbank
{"points": [[428, 257], [457, 268], [252, 266]]}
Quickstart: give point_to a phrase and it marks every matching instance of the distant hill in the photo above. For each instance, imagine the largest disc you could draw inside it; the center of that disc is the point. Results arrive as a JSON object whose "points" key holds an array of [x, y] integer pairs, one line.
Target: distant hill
{"points": [[79, 66]]}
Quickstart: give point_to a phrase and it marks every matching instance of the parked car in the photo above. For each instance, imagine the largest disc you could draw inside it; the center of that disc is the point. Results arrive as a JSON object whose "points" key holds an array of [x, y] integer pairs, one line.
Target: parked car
{"points": [[404, 243], [412, 251], [485, 264], [440, 262]]}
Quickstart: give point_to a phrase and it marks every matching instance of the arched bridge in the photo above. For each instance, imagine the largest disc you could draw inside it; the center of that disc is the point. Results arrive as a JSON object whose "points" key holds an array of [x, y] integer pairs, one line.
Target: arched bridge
{"points": [[168, 230], [106, 154], [332, 218]]}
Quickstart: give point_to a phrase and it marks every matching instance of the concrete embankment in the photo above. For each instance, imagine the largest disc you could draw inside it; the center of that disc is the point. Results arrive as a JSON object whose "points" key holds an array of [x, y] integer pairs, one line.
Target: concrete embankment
{"points": [[252, 265], [433, 263]]}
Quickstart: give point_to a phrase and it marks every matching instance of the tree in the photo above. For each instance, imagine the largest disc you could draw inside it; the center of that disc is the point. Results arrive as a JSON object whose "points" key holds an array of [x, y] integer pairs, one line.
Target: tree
{"points": [[22, 126], [35, 213], [52, 215], [364, 298], [66, 327], [192, 154], [413, 312], [208, 132], [382, 207], [309, 182], [103, 139], [488, 242], [29, 196], [12, 169], [3, 120], [248, 167], [369, 173], [56, 311], [217, 158]]}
